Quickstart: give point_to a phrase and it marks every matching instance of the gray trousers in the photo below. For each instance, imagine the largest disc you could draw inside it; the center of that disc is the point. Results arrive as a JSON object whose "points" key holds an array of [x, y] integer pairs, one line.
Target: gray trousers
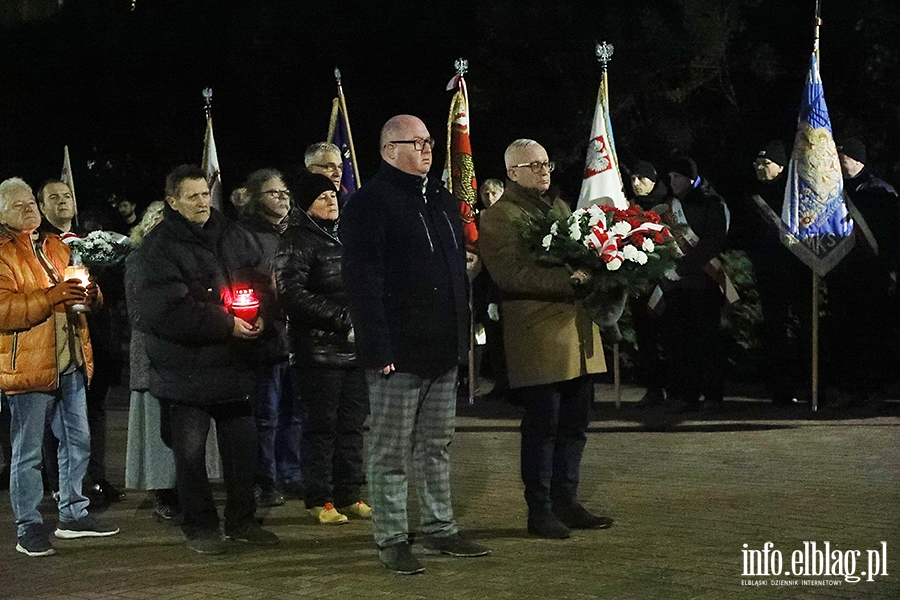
{"points": [[412, 421]]}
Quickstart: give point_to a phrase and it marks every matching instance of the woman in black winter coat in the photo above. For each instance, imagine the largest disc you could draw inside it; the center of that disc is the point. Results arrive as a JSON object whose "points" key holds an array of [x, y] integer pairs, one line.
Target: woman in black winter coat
{"points": [[320, 336]]}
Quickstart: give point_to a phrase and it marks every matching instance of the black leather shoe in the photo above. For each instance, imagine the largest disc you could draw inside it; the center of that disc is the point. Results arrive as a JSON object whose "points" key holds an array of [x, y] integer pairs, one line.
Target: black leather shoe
{"points": [[679, 406], [653, 397], [575, 516], [97, 500], [109, 492], [398, 558], [548, 527]]}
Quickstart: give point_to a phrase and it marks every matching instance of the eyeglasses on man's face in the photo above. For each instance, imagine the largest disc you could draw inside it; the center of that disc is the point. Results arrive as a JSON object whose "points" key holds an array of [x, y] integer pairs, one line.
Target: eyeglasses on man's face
{"points": [[537, 167], [418, 143], [278, 193], [328, 166]]}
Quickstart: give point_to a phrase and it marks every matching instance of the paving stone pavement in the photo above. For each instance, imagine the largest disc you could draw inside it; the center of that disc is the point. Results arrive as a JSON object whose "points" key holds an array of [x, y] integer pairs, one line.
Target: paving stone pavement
{"points": [[686, 492]]}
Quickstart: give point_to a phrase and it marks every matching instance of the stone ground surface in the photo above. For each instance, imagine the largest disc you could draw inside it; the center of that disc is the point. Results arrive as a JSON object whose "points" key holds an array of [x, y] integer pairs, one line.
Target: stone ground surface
{"points": [[686, 492]]}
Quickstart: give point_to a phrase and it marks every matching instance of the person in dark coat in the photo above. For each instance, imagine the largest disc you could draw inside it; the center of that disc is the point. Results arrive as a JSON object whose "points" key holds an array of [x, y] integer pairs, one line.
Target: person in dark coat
{"points": [[693, 298], [859, 287], [332, 386], [649, 191], [57, 204], [201, 355], [783, 282], [276, 409], [404, 268]]}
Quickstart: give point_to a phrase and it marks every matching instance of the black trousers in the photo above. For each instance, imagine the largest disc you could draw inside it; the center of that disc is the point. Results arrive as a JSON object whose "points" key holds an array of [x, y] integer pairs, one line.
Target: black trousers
{"points": [[693, 339], [651, 369], [553, 438], [786, 300], [860, 325], [189, 427], [337, 402]]}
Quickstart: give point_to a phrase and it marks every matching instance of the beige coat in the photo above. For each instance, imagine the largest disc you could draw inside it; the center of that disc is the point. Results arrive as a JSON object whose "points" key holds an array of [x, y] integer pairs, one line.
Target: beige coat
{"points": [[547, 333]]}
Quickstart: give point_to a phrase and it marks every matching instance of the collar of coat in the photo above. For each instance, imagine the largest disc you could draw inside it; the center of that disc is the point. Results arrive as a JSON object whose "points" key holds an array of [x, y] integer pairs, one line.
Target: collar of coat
{"points": [[542, 201], [258, 223], [302, 220], [183, 229], [702, 194], [413, 183], [10, 236]]}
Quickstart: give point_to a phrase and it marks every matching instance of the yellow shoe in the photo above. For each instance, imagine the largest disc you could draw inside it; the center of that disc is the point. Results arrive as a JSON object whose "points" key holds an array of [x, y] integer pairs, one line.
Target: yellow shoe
{"points": [[327, 515], [359, 510]]}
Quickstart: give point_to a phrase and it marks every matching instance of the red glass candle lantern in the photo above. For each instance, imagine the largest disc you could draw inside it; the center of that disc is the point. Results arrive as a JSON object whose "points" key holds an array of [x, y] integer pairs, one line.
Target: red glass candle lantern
{"points": [[245, 305]]}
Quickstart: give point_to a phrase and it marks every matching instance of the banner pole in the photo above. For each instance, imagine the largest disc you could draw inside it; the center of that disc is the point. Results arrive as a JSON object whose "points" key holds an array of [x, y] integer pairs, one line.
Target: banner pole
{"points": [[815, 341], [471, 345], [815, 277], [617, 375], [337, 77]]}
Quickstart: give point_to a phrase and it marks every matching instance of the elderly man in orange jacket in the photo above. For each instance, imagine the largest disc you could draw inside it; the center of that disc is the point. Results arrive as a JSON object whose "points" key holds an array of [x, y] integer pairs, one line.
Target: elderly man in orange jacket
{"points": [[45, 363]]}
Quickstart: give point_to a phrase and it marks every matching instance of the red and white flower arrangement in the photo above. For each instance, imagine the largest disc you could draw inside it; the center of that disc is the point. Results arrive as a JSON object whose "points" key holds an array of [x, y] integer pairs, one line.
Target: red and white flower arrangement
{"points": [[628, 250]]}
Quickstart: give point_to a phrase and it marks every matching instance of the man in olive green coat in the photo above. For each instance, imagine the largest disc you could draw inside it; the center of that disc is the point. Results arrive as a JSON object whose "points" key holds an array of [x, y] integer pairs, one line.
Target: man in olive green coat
{"points": [[552, 347]]}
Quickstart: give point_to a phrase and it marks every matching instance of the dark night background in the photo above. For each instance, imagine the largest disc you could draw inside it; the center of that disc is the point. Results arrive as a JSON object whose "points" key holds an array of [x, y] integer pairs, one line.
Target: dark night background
{"points": [[715, 79]]}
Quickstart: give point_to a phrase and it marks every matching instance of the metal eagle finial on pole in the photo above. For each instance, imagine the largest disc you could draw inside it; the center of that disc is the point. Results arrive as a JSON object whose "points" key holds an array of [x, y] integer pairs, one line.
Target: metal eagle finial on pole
{"points": [[604, 52], [207, 101]]}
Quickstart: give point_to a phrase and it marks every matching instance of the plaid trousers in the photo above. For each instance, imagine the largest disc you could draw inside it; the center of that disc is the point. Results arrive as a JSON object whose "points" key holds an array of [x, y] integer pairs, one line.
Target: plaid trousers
{"points": [[412, 419]]}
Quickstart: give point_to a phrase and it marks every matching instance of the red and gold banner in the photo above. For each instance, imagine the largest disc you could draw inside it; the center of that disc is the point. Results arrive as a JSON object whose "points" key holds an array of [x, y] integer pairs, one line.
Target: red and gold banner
{"points": [[459, 169]]}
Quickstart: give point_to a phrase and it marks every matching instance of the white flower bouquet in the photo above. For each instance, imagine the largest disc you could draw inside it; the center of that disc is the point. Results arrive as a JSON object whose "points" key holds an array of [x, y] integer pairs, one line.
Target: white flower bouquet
{"points": [[99, 248]]}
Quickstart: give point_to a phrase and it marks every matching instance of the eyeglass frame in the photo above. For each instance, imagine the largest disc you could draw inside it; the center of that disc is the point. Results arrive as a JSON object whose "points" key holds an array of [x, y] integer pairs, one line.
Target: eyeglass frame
{"points": [[329, 166], [278, 193], [418, 143], [551, 165]]}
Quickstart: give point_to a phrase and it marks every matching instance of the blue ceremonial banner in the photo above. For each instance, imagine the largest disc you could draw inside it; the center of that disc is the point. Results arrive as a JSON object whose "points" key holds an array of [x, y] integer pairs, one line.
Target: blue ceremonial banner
{"points": [[816, 223], [341, 139]]}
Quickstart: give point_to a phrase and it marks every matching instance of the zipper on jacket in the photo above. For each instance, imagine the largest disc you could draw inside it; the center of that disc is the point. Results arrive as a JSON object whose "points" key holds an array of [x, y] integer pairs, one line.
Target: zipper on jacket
{"points": [[15, 347], [452, 234], [427, 233]]}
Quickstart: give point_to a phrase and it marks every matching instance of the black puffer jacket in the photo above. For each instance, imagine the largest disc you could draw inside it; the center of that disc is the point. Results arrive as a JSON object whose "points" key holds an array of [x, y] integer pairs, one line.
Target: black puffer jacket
{"points": [[311, 294], [273, 341], [183, 298]]}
